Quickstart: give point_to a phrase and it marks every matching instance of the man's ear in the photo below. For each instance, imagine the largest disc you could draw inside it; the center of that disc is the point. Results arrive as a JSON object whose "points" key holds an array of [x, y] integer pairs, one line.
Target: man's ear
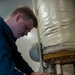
{"points": [[18, 17]]}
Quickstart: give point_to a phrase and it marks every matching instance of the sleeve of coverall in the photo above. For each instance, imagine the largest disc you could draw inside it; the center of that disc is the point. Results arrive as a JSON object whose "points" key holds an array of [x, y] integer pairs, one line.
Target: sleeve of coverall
{"points": [[7, 66], [21, 64]]}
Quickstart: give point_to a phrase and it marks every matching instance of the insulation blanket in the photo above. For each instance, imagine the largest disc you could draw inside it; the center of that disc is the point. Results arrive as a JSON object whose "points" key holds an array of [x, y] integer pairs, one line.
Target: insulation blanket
{"points": [[56, 24]]}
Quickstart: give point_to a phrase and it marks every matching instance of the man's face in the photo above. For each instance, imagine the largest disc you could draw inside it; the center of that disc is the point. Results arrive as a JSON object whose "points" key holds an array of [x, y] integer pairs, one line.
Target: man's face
{"points": [[25, 24]]}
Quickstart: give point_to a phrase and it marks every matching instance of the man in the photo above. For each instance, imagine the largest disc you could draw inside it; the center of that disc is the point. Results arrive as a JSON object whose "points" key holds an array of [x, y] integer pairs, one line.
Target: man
{"points": [[18, 24]]}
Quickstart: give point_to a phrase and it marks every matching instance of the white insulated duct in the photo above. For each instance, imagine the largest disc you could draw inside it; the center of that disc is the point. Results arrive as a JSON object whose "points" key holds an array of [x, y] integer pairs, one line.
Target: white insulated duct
{"points": [[56, 24]]}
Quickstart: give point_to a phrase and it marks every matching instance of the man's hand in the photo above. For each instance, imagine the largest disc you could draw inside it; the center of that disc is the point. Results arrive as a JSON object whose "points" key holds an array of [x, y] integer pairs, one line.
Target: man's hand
{"points": [[38, 73]]}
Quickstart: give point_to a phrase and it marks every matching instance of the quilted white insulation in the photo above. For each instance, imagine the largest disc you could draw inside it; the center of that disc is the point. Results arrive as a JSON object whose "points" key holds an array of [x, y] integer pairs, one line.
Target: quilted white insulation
{"points": [[56, 24]]}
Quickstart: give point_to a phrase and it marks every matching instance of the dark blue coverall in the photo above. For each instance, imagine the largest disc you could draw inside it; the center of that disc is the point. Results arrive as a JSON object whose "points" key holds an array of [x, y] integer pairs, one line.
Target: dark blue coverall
{"points": [[9, 55]]}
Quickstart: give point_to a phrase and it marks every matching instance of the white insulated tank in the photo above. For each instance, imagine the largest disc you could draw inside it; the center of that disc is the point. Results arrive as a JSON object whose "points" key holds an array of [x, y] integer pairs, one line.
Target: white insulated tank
{"points": [[56, 24]]}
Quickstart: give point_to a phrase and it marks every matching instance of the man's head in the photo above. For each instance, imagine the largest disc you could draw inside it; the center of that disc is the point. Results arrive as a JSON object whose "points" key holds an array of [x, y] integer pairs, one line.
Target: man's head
{"points": [[23, 20]]}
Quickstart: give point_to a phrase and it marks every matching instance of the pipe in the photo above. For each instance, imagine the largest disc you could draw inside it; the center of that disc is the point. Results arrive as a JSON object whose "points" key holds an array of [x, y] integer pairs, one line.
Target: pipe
{"points": [[58, 69], [34, 2]]}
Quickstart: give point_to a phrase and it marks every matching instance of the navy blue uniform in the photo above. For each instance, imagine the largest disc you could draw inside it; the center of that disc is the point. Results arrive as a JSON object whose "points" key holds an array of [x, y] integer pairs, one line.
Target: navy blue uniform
{"points": [[10, 58]]}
